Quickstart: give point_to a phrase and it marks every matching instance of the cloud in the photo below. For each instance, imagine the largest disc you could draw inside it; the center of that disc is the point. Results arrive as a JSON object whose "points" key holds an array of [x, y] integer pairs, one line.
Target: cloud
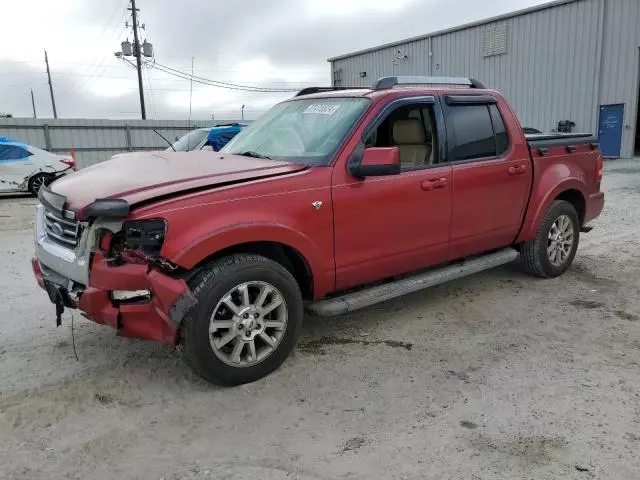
{"points": [[267, 43]]}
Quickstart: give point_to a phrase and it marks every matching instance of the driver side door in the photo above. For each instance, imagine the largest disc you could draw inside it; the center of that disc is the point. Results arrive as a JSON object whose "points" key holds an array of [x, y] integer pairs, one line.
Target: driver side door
{"points": [[390, 225]]}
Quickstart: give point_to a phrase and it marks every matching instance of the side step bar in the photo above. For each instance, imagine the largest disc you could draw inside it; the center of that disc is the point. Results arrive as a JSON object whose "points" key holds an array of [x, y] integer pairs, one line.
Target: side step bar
{"points": [[380, 293]]}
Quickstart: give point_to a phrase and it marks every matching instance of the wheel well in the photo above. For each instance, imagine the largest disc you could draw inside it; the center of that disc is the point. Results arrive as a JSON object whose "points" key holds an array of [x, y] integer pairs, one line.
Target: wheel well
{"points": [[285, 255], [575, 198]]}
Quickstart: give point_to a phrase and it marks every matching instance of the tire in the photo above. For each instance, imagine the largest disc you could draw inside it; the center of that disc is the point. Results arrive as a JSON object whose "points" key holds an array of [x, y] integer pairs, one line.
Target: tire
{"points": [[220, 292], [37, 181], [536, 255]]}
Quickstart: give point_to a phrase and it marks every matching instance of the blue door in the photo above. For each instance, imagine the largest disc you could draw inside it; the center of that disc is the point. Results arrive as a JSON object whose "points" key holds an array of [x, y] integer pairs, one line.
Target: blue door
{"points": [[610, 129]]}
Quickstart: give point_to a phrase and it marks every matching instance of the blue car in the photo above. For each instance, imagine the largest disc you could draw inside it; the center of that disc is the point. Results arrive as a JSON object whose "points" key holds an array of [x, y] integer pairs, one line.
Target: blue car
{"points": [[214, 137]]}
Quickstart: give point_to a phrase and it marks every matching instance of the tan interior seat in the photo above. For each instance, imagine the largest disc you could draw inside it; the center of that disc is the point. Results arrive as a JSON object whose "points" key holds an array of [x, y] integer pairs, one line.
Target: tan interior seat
{"points": [[415, 148]]}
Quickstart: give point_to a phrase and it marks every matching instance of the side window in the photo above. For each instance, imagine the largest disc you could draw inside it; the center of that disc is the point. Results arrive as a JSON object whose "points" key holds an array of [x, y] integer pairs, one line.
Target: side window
{"points": [[13, 152], [412, 129], [473, 132], [502, 137]]}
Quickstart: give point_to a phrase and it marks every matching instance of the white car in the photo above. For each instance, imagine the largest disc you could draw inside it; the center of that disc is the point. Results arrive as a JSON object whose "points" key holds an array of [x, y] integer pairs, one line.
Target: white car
{"points": [[24, 168]]}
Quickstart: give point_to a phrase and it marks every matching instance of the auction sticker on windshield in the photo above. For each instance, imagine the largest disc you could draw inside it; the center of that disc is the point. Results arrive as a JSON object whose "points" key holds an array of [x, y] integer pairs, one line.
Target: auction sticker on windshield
{"points": [[322, 109]]}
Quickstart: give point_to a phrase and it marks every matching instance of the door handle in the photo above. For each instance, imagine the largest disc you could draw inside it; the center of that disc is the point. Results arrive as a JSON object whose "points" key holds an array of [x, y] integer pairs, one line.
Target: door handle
{"points": [[517, 170], [434, 183]]}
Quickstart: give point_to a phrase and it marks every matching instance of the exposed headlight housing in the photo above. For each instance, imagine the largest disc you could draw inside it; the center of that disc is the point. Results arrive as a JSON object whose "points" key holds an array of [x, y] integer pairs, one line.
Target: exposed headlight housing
{"points": [[145, 235]]}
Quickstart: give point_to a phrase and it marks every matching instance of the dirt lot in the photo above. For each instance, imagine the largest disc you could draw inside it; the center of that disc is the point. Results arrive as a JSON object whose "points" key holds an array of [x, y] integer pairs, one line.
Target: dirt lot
{"points": [[496, 376]]}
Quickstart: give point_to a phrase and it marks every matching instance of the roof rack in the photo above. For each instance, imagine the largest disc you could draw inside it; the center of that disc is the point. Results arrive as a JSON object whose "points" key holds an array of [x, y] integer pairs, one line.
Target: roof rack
{"points": [[310, 90], [390, 82]]}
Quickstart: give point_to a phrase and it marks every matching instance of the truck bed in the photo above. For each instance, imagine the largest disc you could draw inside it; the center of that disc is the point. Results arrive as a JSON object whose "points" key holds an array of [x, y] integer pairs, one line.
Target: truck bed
{"points": [[546, 140]]}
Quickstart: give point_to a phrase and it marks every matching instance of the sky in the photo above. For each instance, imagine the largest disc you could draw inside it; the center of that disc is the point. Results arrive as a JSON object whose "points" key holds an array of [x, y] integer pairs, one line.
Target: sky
{"points": [[270, 44]]}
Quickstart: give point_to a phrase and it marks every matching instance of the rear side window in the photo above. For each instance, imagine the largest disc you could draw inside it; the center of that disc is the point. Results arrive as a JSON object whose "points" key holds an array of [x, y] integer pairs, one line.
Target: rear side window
{"points": [[502, 138], [13, 152], [473, 132]]}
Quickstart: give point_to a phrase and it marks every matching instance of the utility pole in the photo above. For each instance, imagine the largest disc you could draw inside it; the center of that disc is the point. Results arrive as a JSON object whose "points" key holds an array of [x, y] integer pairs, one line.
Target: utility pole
{"points": [[33, 104], [136, 51], [53, 100]]}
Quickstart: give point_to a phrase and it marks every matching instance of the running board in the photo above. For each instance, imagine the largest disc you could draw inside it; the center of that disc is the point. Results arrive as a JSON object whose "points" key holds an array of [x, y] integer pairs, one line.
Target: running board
{"points": [[380, 293]]}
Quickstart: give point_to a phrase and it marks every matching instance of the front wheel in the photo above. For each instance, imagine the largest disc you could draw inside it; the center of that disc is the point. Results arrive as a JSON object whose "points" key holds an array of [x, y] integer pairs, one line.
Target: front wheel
{"points": [[556, 242], [246, 322]]}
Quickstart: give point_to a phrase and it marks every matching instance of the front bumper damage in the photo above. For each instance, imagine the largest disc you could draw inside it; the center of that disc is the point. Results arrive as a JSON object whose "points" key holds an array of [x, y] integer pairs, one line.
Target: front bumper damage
{"points": [[156, 317], [82, 278]]}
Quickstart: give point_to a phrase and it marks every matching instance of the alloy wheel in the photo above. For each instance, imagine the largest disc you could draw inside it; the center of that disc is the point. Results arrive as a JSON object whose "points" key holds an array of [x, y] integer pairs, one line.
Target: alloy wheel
{"points": [[248, 323], [560, 240]]}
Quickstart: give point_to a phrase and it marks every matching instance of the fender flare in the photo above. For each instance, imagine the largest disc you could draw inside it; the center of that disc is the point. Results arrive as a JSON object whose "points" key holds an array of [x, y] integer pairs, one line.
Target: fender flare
{"points": [[534, 219], [232, 235]]}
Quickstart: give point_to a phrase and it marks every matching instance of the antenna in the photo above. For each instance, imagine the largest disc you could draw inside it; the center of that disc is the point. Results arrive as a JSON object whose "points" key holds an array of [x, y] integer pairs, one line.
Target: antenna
{"points": [[190, 96]]}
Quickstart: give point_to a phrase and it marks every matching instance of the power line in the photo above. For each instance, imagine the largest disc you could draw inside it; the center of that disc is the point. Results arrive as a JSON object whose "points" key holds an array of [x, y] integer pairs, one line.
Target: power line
{"points": [[99, 63], [239, 82], [221, 83], [197, 70], [108, 59], [217, 83], [118, 4]]}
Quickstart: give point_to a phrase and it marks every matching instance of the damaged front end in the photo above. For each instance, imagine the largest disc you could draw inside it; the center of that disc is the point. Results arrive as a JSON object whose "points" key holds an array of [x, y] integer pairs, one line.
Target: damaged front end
{"points": [[112, 270]]}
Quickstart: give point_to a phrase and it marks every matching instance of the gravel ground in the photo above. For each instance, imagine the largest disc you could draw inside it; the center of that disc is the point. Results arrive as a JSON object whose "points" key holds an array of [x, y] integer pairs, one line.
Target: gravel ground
{"points": [[495, 376]]}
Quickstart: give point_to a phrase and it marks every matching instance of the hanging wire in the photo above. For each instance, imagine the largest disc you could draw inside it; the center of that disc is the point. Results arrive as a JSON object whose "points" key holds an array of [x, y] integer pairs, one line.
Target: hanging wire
{"points": [[209, 82]]}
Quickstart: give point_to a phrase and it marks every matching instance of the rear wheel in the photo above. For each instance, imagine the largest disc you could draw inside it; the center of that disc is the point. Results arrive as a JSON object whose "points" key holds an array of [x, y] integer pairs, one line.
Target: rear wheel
{"points": [[556, 242], [38, 181], [246, 322]]}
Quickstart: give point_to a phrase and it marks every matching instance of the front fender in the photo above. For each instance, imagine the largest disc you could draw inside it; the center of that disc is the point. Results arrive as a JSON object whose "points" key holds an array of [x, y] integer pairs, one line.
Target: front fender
{"points": [[293, 210], [552, 182], [204, 246]]}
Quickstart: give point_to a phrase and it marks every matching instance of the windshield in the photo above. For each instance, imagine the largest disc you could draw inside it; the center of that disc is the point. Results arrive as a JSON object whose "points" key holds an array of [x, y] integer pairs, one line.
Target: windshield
{"points": [[190, 141], [307, 130]]}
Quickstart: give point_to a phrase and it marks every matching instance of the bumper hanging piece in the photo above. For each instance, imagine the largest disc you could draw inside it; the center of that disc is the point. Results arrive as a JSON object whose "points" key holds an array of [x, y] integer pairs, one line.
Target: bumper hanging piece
{"points": [[156, 316]]}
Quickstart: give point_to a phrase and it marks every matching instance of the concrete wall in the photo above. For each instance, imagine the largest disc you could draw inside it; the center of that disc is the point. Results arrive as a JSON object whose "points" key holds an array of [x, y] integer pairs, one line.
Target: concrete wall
{"points": [[563, 60], [97, 140]]}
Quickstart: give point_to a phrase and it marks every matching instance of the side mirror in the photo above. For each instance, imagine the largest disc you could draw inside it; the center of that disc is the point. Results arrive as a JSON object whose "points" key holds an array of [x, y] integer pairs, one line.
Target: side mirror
{"points": [[377, 162]]}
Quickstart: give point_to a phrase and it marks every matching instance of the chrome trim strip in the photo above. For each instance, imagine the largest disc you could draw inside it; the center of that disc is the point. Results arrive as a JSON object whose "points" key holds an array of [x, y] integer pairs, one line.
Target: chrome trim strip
{"points": [[60, 258], [58, 219], [58, 237]]}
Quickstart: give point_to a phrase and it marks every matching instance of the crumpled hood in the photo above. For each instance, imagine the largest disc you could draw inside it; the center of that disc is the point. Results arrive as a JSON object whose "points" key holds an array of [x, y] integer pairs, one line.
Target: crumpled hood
{"points": [[144, 176]]}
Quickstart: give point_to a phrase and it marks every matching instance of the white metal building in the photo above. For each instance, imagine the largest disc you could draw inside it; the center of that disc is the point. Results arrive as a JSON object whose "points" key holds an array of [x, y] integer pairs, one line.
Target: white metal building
{"points": [[576, 60]]}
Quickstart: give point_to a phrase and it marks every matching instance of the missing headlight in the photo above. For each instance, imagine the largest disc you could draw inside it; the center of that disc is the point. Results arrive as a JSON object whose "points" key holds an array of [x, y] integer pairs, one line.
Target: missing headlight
{"points": [[145, 235]]}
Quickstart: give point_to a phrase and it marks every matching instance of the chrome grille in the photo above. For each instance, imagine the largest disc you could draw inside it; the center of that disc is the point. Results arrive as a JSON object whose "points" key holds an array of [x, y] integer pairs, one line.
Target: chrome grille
{"points": [[64, 231]]}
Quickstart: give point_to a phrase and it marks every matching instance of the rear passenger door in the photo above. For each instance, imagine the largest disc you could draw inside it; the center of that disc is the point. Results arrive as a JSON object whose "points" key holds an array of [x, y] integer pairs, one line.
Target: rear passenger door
{"points": [[490, 184]]}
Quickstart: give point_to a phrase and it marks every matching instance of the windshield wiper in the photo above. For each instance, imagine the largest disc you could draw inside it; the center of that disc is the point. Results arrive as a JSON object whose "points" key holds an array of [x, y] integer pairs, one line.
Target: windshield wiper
{"points": [[253, 154]]}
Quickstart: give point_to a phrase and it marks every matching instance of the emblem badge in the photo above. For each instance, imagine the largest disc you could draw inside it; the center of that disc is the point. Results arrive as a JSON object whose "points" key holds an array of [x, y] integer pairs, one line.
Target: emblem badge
{"points": [[56, 229]]}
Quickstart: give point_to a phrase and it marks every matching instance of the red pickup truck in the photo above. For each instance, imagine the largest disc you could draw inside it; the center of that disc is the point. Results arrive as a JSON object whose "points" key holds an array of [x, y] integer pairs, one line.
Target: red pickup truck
{"points": [[334, 200]]}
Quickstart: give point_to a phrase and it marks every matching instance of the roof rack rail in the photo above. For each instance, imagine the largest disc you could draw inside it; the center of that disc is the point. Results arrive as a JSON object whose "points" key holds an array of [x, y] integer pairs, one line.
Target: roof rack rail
{"points": [[310, 90], [390, 82]]}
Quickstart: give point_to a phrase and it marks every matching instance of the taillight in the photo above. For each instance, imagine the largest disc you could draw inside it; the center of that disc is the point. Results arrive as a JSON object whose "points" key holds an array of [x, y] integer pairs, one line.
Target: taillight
{"points": [[69, 163], [599, 167]]}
